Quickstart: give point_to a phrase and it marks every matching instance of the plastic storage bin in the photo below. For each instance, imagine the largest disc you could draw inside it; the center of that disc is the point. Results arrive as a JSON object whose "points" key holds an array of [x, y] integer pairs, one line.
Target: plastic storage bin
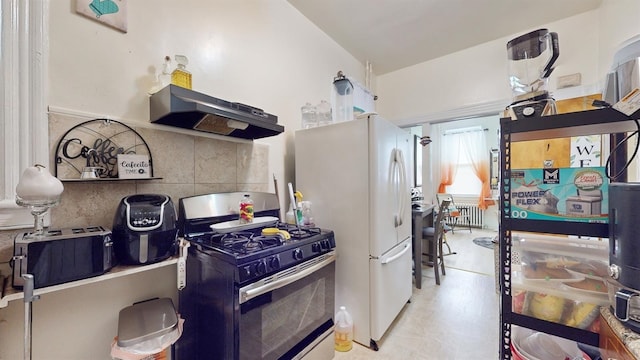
{"points": [[560, 279]]}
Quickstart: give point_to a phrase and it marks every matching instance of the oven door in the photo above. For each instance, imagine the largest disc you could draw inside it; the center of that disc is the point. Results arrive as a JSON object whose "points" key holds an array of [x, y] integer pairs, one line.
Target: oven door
{"points": [[284, 315]]}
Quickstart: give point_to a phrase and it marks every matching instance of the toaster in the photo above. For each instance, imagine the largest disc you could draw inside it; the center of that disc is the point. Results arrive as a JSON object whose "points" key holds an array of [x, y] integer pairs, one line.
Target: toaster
{"points": [[144, 229], [60, 256]]}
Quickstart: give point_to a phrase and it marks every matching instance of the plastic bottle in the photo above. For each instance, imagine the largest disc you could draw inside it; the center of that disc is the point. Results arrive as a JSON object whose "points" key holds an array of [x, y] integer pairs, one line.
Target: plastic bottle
{"points": [[309, 116], [180, 76], [307, 215], [163, 78], [342, 98], [324, 113], [343, 330], [298, 210], [246, 210], [165, 75], [289, 217]]}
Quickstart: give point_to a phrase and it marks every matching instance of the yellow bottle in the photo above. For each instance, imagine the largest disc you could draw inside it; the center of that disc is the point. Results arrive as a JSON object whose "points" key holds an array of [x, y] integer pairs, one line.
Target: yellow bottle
{"points": [[343, 330], [180, 76]]}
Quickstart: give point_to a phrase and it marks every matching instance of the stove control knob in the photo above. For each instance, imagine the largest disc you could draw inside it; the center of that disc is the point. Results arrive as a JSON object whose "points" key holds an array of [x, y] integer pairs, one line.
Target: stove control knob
{"points": [[274, 262], [247, 271], [316, 248], [297, 254], [326, 244], [261, 268], [614, 271]]}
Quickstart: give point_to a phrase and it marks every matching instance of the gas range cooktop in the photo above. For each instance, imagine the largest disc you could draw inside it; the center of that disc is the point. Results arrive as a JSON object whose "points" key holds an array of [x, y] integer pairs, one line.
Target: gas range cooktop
{"points": [[250, 254], [255, 255], [247, 242]]}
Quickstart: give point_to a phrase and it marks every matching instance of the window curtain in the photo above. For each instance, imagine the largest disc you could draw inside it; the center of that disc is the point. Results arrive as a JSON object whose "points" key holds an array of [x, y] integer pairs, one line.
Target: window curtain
{"points": [[474, 144], [449, 157]]}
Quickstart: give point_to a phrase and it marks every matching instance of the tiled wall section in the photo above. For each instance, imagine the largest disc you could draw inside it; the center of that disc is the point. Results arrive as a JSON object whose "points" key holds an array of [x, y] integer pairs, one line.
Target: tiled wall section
{"points": [[188, 165]]}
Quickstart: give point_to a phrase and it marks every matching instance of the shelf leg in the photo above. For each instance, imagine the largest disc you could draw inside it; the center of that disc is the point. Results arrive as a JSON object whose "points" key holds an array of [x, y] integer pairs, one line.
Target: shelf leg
{"points": [[28, 299]]}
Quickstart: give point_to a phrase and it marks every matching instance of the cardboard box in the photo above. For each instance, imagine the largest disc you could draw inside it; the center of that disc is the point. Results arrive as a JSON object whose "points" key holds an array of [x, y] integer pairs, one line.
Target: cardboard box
{"points": [[562, 194]]}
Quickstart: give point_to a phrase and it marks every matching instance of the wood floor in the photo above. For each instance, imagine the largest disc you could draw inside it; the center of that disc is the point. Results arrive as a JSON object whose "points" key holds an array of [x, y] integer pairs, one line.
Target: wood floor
{"points": [[458, 319]]}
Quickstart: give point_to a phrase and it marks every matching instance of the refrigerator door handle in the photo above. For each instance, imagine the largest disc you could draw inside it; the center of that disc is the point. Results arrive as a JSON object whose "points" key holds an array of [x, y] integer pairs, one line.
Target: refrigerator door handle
{"points": [[403, 186], [395, 176], [397, 256]]}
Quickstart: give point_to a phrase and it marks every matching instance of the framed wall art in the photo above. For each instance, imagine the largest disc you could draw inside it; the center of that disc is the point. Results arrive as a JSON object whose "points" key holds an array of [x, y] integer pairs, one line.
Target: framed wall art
{"points": [[112, 13]]}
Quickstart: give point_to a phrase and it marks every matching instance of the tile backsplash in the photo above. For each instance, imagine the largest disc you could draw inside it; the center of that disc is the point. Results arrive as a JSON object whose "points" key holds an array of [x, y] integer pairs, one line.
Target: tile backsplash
{"points": [[186, 165]]}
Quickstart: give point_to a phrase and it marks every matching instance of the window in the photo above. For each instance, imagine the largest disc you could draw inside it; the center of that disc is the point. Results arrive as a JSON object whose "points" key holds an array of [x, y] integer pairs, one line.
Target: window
{"points": [[466, 181], [464, 162], [23, 119]]}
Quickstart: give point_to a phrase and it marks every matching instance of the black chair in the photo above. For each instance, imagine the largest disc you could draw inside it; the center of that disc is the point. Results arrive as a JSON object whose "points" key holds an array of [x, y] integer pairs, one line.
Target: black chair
{"points": [[434, 235], [454, 213]]}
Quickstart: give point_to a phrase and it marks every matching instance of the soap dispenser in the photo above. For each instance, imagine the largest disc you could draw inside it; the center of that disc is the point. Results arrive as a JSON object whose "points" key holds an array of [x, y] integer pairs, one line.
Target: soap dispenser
{"points": [[180, 76]]}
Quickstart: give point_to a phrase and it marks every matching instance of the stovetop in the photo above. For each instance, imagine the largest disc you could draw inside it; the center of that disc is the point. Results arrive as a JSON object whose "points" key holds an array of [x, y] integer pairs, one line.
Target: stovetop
{"points": [[256, 255], [249, 254]]}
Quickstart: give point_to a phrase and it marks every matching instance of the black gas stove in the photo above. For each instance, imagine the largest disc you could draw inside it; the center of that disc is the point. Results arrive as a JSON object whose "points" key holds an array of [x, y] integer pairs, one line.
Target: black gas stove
{"points": [[256, 254], [260, 291], [253, 253]]}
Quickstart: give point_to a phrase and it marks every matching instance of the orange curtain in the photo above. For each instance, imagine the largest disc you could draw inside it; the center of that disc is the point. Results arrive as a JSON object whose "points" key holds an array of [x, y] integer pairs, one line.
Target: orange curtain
{"points": [[481, 169], [476, 145], [450, 153]]}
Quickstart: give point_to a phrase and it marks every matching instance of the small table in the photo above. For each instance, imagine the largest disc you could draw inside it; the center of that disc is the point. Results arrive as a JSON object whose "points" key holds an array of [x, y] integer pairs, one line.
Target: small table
{"points": [[422, 216]]}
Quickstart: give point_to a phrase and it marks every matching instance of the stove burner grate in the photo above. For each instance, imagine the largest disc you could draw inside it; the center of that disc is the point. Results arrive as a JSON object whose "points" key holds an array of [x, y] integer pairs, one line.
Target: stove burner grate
{"points": [[299, 232], [247, 242]]}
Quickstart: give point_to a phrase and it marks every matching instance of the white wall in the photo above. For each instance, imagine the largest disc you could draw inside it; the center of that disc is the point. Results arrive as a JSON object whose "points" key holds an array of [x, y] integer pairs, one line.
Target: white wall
{"points": [[619, 20], [263, 53], [478, 75]]}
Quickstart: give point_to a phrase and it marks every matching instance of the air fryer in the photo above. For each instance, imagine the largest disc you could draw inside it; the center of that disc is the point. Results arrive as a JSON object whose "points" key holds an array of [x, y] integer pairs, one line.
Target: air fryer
{"points": [[144, 229]]}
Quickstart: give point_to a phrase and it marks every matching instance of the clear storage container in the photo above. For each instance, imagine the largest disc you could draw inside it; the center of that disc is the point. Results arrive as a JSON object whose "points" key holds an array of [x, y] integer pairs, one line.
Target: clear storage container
{"points": [[309, 115], [560, 279]]}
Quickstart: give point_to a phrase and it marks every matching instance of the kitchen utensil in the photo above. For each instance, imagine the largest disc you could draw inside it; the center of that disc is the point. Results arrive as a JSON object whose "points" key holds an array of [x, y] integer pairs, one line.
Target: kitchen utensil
{"points": [[531, 60], [144, 229], [91, 172], [275, 187], [624, 278], [342, 98], [309, 116], [235, 225], [62, 255], [542, 346], [230, 274], [294, 204]]}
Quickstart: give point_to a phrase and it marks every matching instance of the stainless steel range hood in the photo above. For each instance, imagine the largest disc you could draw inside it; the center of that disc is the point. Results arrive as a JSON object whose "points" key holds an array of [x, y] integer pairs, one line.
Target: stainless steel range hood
{"points": [[188, 109]]}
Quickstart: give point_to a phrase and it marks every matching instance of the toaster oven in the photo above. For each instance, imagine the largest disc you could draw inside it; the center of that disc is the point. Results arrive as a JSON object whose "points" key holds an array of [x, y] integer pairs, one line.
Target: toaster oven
{"points": [[60, 256]]}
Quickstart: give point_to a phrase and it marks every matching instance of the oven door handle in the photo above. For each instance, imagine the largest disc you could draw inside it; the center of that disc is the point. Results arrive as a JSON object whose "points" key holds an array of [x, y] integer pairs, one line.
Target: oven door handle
{"points": [[285, 277]]}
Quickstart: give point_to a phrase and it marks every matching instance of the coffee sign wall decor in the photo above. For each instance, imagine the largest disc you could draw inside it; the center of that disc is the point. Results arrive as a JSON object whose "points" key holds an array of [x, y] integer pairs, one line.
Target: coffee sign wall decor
{"points": [[99, 145], [131, 166]]}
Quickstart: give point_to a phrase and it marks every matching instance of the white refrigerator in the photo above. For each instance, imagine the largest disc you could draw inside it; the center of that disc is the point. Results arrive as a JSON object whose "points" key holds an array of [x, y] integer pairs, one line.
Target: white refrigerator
{"points": [[355, 174]]}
